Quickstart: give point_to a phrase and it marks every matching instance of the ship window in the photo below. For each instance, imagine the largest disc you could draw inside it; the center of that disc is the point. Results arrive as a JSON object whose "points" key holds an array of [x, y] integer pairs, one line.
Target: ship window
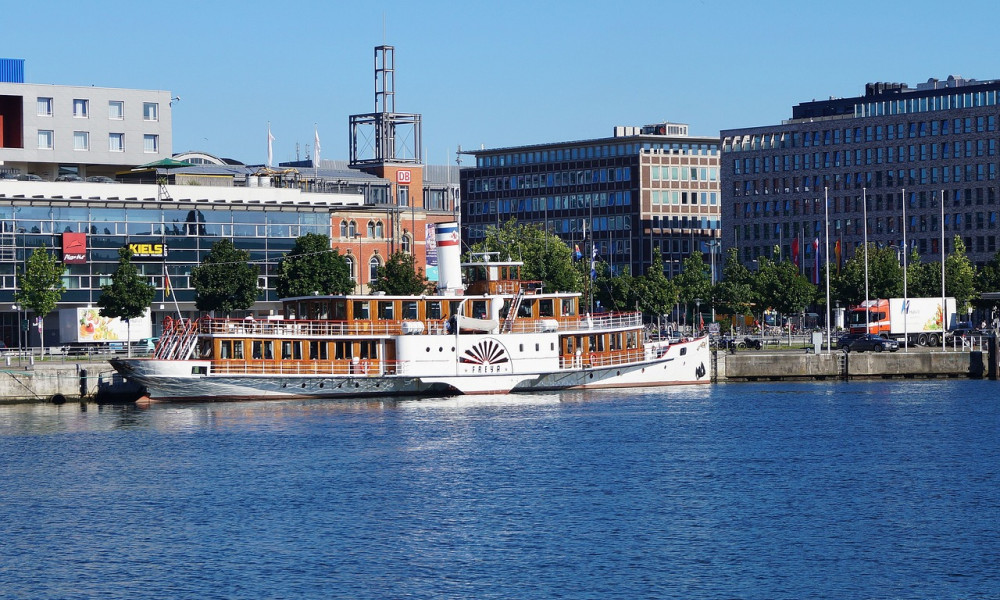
{"points": [[524, 310], [568, 307], [360, 310], [314, 350], [684, 351], [545, 308], [552, 346], [434, 309], [410, 310], [479, 309], [520, 347], [238, 350], [369, 349], [385, 311], [225, 349], [291, 350], [263, 350], [343, 350], [537, 347], [340, 310]]}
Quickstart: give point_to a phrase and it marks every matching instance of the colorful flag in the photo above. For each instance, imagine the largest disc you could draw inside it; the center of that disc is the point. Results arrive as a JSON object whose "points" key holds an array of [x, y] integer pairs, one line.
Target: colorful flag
{"points": [[795, 251], [593, 263], [701, 321], [166, 284], [837, 252], [316, 151], [270, 141], [577, 255]]}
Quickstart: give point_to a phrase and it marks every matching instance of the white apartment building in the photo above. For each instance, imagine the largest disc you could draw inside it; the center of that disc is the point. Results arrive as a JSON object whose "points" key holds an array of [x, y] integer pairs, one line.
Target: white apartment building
{"points": [[49, 130]]}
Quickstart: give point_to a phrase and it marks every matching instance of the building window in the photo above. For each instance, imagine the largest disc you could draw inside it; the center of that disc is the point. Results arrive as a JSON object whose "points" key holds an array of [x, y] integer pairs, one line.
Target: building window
{"points": [[352, 229], [45, 107], [350, 268], [150, 143], [371, 229], [116, 110], [116, 142], [81, 140], [150, 111], [343, 229], [404, 244], [44, 139], [378, 230], [373, 266], [81, 108]]}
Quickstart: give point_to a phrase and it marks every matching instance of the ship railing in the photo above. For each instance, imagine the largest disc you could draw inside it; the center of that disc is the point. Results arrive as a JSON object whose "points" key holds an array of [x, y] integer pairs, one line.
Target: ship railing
{"points": [[604, 359], [336, 367], [600, 322]]}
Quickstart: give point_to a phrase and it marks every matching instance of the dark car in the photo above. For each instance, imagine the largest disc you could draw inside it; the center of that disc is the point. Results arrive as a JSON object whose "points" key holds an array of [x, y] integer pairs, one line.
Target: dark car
{"points": [[844, 340], [101, 179], [69, 177], [29, 177], [873, 342]]}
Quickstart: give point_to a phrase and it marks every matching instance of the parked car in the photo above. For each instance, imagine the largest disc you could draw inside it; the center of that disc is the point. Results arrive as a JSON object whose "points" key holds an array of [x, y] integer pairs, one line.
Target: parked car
{"points": [[69, 177], [101, 179], [845, 339], [29, 177], [873, 342]]}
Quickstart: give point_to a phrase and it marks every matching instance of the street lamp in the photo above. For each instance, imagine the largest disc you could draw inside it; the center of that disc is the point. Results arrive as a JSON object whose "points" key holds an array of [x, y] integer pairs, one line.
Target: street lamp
{"points": [[697, 304], [17, 311]]}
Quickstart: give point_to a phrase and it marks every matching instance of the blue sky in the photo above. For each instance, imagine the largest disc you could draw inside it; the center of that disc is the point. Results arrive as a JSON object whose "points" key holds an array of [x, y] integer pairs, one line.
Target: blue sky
{"points": [[491, 73]]}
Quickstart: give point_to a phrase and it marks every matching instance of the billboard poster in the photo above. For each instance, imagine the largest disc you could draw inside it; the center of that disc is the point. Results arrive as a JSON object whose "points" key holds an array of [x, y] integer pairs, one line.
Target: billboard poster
{"points": [[87, 325], [430, 254]]}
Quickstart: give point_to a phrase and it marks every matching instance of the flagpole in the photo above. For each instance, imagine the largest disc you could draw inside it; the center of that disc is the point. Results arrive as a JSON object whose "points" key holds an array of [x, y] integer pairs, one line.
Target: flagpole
{"points": [[864, 206], [168, 289], [906, 301], [826, 216]]}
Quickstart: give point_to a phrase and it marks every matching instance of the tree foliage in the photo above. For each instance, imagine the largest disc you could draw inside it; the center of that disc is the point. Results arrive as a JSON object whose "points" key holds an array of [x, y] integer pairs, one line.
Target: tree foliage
{"points": [[885, 276], [923, 279], [225, 281], [657, 294], [780, 286], [312, 266], [129, 294], [546, 257], [399, 276], [960, 276], [694, 282], [736, 294], [40, 285]]}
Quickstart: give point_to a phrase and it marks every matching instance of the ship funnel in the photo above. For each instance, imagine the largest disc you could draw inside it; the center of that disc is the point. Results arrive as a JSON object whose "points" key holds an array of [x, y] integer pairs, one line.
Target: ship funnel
{"points": [[449, 249]]}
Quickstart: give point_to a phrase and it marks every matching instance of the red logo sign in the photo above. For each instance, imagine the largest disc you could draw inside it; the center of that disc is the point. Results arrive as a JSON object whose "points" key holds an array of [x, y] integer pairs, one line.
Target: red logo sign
{"points": [[403, 176], [74, 247]]}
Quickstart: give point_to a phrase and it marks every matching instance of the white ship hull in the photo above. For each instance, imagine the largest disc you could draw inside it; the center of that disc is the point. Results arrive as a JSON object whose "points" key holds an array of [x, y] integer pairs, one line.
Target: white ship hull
{"points": [[192, 380]]}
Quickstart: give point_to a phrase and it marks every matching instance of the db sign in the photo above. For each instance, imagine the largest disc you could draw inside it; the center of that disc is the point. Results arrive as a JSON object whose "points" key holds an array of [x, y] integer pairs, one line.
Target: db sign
{"points": [[403, 176]]}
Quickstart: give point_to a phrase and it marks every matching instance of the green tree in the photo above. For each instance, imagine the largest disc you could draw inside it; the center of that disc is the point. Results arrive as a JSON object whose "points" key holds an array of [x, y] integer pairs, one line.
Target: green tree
{"points": [[960, 277], [923, 279], [694, 282], [399, 276], [40, 284], [225, 281], [312, 266], [546, 257], [988, 280], [885, 276], [657, 294], [736, 293], [785, 289], [128, 295]]}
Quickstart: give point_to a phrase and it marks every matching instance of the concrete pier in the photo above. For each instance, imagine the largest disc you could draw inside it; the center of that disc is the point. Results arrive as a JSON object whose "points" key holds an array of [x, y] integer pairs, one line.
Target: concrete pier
{"points": [[64, 382], [775, 366]]}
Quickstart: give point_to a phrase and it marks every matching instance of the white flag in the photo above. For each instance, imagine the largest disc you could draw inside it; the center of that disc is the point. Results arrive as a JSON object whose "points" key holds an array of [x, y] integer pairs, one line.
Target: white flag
{"points": [[316, 151], [270, 139]]}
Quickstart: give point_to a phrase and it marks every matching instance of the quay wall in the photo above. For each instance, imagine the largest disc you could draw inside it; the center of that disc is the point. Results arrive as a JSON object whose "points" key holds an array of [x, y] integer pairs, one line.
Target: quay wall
{"points": [[754, 366], [64, 382]]}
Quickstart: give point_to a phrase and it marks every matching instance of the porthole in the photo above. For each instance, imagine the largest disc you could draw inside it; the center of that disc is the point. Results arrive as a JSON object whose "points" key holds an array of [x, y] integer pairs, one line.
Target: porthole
{"points": [[428, 349], [618, 373], [591, 375], [321, 384], [356, 384], [303, 385], [684, 351], [440, 349]]}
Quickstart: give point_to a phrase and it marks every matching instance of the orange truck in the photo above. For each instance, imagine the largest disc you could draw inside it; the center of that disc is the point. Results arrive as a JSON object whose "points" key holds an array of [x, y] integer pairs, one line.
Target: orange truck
{"points": [[920, 321]]}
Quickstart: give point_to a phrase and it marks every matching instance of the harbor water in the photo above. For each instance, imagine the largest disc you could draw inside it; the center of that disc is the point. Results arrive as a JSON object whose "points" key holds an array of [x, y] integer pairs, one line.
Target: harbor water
{"points": [[869, 489]]}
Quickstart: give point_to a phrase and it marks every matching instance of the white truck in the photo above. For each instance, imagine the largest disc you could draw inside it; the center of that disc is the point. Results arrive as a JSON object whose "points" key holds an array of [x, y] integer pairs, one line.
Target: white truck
{"points": [[919, 320]]}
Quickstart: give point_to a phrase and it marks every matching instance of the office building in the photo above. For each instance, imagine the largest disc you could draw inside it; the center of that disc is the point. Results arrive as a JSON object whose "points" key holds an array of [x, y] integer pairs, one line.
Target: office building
{"points": [[644, 191], [894, 149]]}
